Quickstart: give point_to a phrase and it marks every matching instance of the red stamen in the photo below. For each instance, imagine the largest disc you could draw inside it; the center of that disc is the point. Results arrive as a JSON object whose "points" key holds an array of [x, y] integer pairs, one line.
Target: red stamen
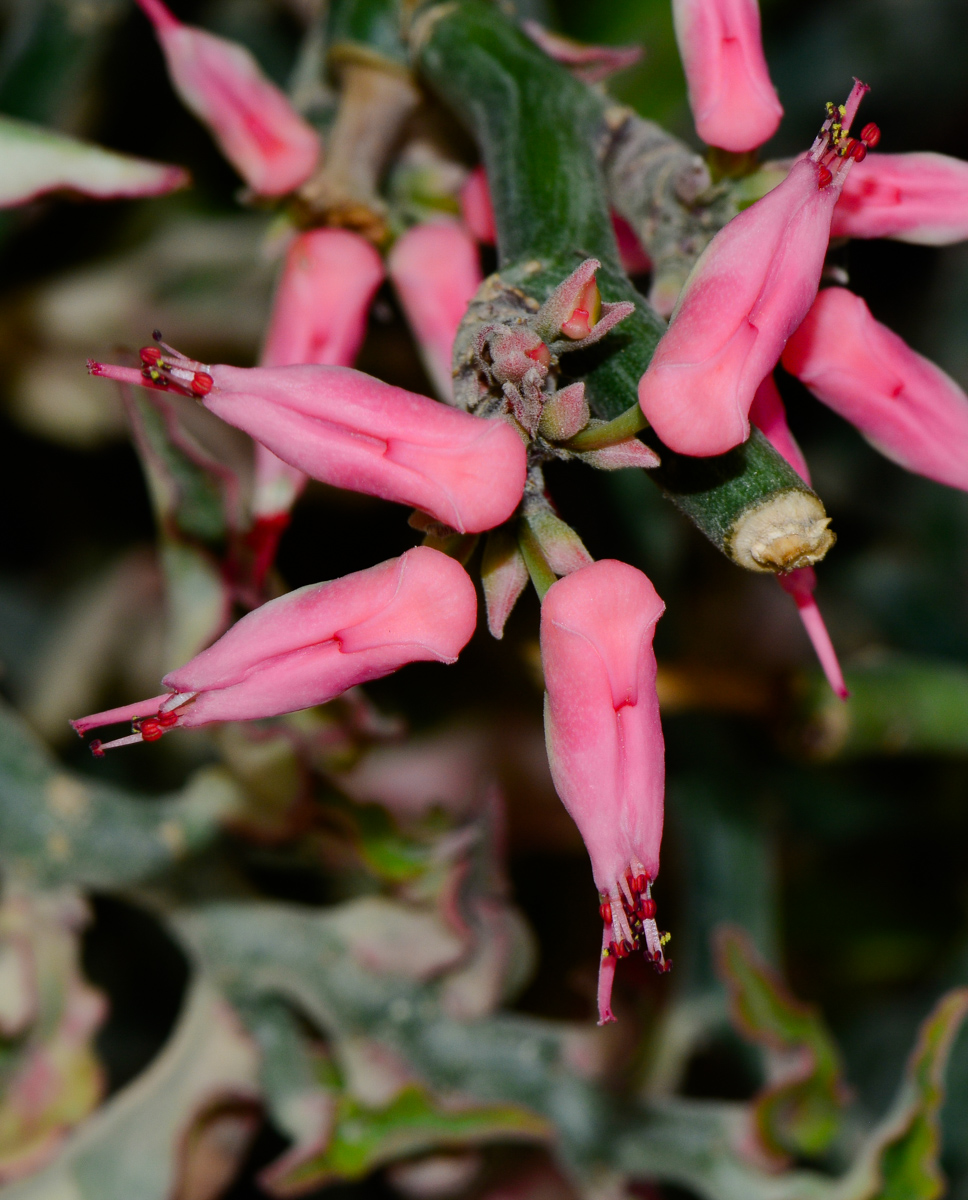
{"points": [[166, 719], [96, 748], [638, 884], [605, 912], [647, 909], [202, 383], [823, 176], [858, 152], [870, 135], [150, 355], [149, 729]]}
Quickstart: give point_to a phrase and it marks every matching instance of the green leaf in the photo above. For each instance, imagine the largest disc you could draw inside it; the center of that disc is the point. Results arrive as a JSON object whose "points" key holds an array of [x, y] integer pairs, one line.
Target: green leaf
{"points": [[38, 160], [798, 1113], [131, 1147], [413, 1123], [900, 1160], [58, 827]]}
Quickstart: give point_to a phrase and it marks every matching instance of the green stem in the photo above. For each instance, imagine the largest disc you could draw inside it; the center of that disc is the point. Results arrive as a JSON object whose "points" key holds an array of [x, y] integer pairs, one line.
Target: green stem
{"points": [[537, 129], [597, 437]]}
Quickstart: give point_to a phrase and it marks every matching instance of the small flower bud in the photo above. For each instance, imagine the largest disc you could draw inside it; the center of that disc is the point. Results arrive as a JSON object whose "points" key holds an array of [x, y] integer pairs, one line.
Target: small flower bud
{"points": [[565, 413]]}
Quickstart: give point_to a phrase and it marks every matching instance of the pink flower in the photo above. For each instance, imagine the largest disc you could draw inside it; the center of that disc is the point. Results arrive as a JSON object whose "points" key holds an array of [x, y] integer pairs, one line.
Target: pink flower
{"points": [[750, 289], [352, 431], [904, 405], [258, 130], [921, 198], [436, 271], [769, 416], [732, 99], [307, 647], [319, 316], [605, 744]]}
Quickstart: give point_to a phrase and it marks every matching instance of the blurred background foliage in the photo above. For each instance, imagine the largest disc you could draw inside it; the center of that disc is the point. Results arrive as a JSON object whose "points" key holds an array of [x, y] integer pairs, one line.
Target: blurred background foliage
{"points": [[837, 836]]}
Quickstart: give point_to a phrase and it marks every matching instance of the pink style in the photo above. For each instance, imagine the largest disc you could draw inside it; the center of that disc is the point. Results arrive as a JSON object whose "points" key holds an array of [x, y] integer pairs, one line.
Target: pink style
{"points": [[905, 406], [309, 646], [921, 198], [733, 101], [750, 289], [436, 271], [257, 129], [319, 315], [605, 745], [352, 431]]}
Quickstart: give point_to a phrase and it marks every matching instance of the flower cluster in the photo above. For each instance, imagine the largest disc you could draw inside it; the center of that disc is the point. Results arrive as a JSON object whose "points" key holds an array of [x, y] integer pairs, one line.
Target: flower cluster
{"points": [[471, 461]]}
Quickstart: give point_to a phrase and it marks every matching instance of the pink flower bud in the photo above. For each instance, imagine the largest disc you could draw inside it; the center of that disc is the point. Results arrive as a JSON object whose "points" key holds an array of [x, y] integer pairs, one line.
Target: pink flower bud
{"points": [[258, 130], [750, 289], [350, 430], [319, 316], [307, 647], [436, 271], [769, 416], [921, 198], [605, 743], [904, 405], [733, 101]]}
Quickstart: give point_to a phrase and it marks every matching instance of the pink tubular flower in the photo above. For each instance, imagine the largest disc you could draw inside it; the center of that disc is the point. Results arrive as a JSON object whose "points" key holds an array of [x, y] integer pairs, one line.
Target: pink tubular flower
{"points": [[319, 316], [769, 416], [904, 405], [258, 130], [920, 198], [352, 431], [750, 289], [732, 99], [605, 744], [307, 647], [436, 271]]}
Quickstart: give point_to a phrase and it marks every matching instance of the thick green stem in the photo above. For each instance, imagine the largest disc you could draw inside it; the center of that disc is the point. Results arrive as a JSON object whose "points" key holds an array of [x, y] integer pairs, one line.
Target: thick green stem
{"points": [[597, 437], [538, 128]]}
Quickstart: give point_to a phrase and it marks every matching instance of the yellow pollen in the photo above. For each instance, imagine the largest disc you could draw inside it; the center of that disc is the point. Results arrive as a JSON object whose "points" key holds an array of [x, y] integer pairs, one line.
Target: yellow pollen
{"points": [[665, 938]]}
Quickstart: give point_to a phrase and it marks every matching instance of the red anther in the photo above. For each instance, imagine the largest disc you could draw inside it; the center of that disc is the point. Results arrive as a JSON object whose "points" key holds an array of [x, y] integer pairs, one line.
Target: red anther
{"points": [[202, 383], [166, 719], [621, 949], [638, 884], [870, 135], [150, 355], [96, 748], [823, 177], [647, 908], [149, 729], [605, 912], [540, 354], [858, 152]]}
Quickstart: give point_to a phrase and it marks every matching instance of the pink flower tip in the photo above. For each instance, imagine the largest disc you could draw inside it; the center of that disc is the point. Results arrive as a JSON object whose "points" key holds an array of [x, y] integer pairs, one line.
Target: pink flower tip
{"points": [[309, 646], [733, 101], [801, 584], [258, 130]]}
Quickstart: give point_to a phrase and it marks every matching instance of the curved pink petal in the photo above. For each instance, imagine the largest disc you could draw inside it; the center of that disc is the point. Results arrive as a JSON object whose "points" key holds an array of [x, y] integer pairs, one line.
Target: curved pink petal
{"points": [[921, 198], [733, 101], [258, 130], [907, 407]]}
